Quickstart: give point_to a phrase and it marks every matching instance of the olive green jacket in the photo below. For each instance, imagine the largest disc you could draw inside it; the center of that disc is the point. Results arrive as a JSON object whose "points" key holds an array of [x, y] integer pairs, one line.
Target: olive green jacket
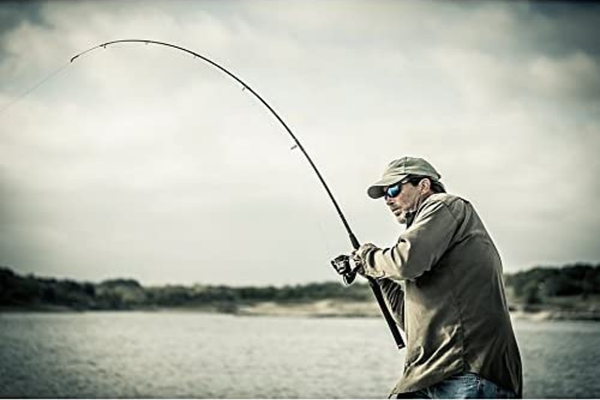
{"points": [[443, 282]]}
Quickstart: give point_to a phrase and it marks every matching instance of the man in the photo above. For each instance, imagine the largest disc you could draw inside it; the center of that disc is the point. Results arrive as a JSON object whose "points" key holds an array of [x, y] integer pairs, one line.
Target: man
{"points": [[443, 282]]}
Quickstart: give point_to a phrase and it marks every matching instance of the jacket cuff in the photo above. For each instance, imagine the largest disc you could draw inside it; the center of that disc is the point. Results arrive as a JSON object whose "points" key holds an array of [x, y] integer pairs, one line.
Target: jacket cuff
{"points": [[368, 257]]}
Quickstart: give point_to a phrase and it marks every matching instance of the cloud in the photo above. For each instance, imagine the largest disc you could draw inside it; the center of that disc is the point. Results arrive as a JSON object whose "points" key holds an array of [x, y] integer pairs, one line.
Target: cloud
{"points": [[15, 13], [140, 161]]}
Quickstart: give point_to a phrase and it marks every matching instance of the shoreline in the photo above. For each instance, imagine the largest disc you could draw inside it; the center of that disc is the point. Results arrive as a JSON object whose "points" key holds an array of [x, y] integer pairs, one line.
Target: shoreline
{"points": [[316, 309]]}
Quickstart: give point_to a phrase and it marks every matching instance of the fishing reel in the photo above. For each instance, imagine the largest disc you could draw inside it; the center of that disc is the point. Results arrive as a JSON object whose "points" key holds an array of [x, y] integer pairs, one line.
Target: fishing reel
{"points": [[343, 266]]}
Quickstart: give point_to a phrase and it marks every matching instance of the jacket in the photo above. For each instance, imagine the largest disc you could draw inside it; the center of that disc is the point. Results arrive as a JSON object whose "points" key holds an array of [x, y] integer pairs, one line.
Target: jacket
{"points": [[443, 282]]}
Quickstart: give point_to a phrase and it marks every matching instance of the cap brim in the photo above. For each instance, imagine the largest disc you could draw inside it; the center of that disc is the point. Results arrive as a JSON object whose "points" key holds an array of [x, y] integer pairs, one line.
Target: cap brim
{"points": [[376, 190]]}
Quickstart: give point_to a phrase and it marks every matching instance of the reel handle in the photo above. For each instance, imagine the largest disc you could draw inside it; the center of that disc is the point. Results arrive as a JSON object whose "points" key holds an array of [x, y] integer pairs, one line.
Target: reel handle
{"points": [[343, 267], [349, 277]]}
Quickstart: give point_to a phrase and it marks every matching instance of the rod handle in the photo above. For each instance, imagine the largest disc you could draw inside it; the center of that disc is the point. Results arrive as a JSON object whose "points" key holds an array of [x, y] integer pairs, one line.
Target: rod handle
{"points": [[351, 276], [386, 313]]}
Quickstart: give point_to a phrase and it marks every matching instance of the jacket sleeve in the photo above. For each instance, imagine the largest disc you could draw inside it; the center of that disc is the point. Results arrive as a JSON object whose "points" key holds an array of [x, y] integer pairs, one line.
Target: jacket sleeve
{"points": [[394, 297], [419, 247]]}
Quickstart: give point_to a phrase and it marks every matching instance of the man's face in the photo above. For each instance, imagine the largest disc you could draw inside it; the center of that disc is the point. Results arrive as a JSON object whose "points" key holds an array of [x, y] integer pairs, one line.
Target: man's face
{"points": [[405, 201]]}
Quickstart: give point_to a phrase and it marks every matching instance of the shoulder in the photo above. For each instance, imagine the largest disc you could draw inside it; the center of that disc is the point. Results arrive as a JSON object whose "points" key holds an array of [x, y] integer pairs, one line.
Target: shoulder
{"points": [[454, 204], [443, 198]]}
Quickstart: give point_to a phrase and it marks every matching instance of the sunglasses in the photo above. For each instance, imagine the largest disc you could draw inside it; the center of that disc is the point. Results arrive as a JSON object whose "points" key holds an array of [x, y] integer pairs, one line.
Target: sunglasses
{"points": [[394, 190]]}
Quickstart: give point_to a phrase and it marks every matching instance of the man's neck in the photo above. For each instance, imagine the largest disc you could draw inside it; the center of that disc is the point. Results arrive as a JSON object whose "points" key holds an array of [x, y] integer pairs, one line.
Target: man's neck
{"points": [[410, 215], [420, 201]]}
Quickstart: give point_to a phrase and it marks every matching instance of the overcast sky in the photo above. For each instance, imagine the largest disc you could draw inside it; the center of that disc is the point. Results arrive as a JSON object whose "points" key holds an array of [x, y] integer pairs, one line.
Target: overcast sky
{"points": [[141, 161]]}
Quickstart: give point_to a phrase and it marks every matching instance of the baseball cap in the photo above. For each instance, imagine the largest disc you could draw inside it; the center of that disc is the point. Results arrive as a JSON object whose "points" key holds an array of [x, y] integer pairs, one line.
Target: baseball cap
{"points": [[400, 169]]}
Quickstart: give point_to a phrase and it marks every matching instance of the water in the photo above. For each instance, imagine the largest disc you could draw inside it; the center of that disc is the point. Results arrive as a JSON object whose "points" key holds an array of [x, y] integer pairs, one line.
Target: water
{"points": [[178, 354]]}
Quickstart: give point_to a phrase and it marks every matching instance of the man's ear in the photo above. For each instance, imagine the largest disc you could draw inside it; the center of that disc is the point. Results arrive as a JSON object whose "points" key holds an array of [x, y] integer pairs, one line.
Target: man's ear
{"points": [[425, 185]]}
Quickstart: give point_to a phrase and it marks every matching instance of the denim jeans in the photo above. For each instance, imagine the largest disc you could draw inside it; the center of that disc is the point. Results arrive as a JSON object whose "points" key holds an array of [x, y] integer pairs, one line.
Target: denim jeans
{"points": [[461, 386]]}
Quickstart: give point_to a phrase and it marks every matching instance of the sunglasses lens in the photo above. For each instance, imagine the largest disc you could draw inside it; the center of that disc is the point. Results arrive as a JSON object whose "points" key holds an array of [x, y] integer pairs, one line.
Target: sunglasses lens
{"points": [[393, 191]]}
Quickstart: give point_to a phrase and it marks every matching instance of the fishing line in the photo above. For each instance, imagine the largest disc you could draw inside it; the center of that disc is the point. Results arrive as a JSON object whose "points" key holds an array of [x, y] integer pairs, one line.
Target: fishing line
{"points": [[351, 275], [246, 87], [348, 277], [31, 89]]}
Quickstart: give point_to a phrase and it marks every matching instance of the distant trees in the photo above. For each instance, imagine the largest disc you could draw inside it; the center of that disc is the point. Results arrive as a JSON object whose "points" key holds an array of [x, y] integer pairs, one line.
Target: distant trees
{"points": [[180, 295], [533, 285], [123, 294], [120, 294], [31, 291], [529, 287]]}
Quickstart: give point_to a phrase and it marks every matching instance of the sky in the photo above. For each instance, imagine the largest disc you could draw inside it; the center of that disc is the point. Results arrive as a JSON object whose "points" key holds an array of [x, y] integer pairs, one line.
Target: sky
{"points": [[139, 161]]}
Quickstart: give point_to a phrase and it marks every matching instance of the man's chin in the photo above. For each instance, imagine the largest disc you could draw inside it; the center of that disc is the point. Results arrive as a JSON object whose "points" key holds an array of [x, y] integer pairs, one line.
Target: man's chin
{"points": [[401, 218]]}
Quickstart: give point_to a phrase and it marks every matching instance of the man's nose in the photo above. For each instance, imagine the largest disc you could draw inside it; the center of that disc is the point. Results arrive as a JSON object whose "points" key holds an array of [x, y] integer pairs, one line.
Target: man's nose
{"points": [[389, 200]]}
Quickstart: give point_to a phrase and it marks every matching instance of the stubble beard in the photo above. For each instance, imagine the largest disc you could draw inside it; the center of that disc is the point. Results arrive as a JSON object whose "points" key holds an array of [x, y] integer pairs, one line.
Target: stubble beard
{"points": [[402, 218], [404, 215]]}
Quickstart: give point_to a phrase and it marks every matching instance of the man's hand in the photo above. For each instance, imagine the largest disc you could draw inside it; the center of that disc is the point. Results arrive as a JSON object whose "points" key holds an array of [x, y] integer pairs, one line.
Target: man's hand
{"points": [[362, 254]]}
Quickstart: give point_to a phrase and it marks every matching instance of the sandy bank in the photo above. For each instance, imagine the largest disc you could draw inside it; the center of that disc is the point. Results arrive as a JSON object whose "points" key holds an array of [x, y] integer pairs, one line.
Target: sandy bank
{"points": [[322, 308], [330, 308]]}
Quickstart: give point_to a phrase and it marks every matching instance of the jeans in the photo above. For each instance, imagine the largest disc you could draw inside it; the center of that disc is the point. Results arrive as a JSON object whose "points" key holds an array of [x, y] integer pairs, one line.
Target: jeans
{"points": [[461, 386]]}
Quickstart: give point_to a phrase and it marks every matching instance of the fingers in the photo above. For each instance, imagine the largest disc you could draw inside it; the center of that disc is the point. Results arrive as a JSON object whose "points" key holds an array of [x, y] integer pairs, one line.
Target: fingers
{"points": [[362, 254], [359, 258]]}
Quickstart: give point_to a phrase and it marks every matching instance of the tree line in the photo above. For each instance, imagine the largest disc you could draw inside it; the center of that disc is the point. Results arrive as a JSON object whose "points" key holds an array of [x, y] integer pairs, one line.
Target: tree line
{"points": [[536, 285], [30, 292]]}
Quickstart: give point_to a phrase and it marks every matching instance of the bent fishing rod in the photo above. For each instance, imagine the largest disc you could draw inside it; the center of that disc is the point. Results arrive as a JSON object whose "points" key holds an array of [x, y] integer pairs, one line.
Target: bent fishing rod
{"points": [[341, 264]]}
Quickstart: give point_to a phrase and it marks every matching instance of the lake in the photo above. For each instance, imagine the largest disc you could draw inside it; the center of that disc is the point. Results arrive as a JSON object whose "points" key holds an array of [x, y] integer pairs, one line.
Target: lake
{"points": [[187, 354]]}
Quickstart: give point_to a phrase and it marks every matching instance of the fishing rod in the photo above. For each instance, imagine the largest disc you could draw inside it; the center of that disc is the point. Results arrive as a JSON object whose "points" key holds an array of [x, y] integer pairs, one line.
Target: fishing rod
{"points": [[340, 264]]}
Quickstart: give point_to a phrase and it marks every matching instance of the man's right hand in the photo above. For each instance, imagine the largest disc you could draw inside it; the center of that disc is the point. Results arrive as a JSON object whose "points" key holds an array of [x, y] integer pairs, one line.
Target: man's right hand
{"points": [[361, 255]]}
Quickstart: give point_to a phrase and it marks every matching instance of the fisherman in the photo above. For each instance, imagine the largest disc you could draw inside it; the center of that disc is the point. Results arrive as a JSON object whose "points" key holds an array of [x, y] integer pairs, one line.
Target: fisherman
{"points": [[443, 282]]}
